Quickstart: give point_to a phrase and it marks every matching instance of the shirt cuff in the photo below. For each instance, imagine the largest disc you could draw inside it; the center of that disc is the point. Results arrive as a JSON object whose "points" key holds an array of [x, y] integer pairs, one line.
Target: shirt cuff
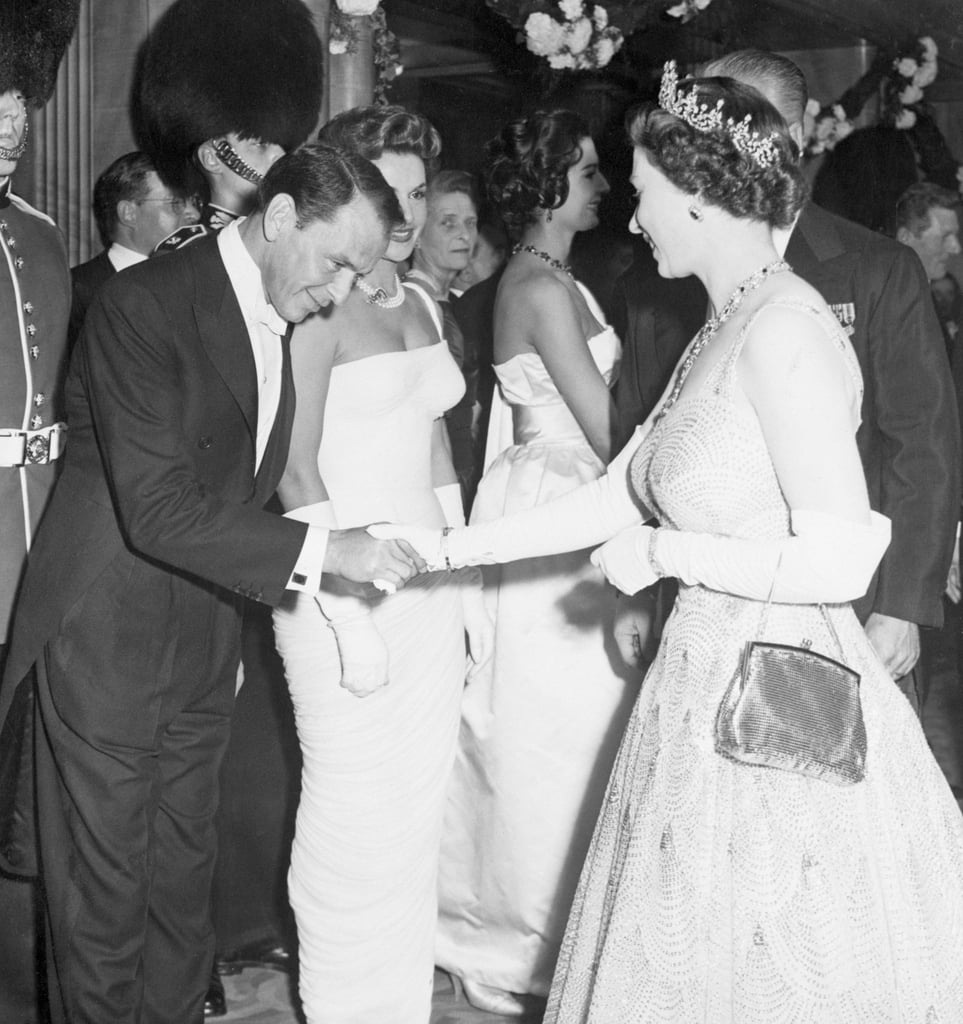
{"points": [[306, 576]]}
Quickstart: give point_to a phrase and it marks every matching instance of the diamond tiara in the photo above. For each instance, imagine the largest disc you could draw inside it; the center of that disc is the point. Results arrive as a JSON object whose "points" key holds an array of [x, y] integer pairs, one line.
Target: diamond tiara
{"points": [[705, 119]]}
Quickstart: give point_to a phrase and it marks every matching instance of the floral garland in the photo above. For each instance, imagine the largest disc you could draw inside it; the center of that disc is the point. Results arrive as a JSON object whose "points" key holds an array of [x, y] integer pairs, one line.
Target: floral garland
{"points": [[575, 35], [343, 38], [898, 78], [910, 74]]}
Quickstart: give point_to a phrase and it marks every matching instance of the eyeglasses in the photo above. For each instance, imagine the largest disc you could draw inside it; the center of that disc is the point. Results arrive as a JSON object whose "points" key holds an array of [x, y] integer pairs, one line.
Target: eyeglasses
{"points": [[176, 203]]}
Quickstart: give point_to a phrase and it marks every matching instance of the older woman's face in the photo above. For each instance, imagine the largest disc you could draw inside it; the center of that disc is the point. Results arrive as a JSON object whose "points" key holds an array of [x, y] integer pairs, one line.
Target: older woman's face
{"points": [[405, 173], [451, 230], [661, 216]]}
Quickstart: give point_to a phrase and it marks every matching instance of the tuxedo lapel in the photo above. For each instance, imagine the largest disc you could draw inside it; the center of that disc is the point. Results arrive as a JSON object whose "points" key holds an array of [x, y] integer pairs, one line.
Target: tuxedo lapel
{"points": [[223, 333], [276, 451]]}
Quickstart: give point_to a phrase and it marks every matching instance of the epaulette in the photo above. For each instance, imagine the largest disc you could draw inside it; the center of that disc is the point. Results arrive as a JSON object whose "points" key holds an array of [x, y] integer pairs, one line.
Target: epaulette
{"points": [[181, 237]]}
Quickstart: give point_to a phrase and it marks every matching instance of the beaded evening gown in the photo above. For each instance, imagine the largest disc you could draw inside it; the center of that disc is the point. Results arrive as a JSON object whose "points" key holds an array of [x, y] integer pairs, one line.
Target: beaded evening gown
{"points": [[363, 876], [539, 731], [723, 894]]}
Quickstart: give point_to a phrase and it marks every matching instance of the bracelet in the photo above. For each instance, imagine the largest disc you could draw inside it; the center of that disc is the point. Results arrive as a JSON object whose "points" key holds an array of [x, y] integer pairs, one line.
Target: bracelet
{"points": [[653, 556], [444, 548]]}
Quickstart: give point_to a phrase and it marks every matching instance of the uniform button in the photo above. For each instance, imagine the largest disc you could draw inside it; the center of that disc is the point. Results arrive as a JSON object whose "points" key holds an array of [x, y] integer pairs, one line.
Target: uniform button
{"points": [[34, 351], [14, 857], [39, 398], [36, 423], [205, 442], [12, 242], [18, 263], [28, 307], [31, 330]]}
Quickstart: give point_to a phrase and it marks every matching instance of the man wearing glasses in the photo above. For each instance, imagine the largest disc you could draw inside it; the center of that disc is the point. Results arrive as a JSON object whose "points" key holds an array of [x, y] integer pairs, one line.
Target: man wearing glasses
{"points": [[134, 210]]}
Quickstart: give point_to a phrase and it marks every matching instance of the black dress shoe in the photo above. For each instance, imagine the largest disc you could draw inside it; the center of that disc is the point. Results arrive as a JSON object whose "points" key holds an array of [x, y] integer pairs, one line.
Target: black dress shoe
{"points": [[270, 954], [215, 1002]]}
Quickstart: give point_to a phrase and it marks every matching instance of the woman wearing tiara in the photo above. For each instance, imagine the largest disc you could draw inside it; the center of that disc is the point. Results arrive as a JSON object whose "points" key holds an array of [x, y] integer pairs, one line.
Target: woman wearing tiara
{"points": [[540, 727], [717, 891], [376, 696]]}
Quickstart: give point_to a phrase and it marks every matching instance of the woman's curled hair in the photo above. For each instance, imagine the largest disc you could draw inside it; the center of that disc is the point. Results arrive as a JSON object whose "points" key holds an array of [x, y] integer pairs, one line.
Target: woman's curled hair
{"points": [[709, 164], [373, 130], [528, 163]]}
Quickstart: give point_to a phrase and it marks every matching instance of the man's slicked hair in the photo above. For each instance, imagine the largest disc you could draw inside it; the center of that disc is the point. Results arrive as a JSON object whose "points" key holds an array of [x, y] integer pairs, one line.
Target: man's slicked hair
{"points": [[322, 180], [914, 207], [775, 76]]}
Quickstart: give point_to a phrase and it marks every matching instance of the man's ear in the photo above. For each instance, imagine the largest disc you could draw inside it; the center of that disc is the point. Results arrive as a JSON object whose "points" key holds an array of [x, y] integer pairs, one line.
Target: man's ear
{"points": [[904, 235], [127, 212], [209, 161], [280, 215]]}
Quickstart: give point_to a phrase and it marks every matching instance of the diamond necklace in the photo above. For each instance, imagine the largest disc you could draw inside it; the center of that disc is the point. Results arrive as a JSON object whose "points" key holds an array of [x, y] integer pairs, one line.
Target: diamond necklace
{"points": [[378, 296], [711, 327], [544, 256]]}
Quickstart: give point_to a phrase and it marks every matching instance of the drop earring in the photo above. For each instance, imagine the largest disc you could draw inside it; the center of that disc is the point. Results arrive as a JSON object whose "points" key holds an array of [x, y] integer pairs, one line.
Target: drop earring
{"points": [[695, 213], [548, 216]]}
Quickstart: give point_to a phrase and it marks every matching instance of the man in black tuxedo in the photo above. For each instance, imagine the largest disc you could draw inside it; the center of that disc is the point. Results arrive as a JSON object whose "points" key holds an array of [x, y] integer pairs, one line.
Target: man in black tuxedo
{"points": [[909, 439], [180, 400], [134, 210]]}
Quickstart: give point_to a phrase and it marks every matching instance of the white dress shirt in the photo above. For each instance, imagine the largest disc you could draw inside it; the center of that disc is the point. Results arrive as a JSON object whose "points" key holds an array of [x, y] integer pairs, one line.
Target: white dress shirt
{"points": [[265, 329]]}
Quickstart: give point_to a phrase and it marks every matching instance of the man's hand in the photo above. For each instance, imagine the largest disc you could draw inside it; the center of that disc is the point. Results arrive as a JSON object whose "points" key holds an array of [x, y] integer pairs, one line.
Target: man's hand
{"points": [[359, 557], [633, 630], [953, 577], [896, 641]]}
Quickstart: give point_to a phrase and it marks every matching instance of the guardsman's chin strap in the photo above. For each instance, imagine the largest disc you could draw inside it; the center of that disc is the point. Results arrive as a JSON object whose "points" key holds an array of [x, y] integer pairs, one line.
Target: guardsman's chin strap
{"points": [[17, 151], [231, 159]]}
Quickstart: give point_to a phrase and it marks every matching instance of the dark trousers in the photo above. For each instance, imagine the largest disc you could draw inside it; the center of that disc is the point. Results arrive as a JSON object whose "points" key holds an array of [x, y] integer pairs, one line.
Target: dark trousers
{"points": [[135, 697], [21, 954]]}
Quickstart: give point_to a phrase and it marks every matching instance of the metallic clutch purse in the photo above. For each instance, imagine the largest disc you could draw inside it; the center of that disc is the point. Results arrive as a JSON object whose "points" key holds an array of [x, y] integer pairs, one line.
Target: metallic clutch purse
{"points": [[796, 710]]}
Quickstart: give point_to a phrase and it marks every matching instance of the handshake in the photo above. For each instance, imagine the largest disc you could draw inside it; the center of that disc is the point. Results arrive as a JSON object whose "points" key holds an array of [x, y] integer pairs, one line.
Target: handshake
{"points": [[389, 556]]}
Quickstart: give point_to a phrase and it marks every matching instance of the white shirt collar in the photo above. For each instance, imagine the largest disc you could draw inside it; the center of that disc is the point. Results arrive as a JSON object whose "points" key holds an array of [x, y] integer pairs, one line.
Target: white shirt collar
{"points": [[781, 236], [245, 279], [120, 256]]}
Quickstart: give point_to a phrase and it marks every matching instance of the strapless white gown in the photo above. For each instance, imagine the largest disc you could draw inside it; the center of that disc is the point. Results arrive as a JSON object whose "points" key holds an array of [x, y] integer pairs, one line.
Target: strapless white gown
{"points": [[539, 732], [363, 876]]}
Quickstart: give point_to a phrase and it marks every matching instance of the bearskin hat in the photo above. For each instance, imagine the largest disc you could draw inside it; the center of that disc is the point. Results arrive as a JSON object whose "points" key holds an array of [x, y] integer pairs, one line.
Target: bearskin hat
{"points": [[33, 37], [208, 67]]}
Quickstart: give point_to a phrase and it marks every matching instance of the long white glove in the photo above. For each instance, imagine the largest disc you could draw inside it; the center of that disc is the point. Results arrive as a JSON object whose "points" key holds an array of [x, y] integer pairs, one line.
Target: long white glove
{"points": [[582, 518], [827, 560], [479, 627], [364, 656]]}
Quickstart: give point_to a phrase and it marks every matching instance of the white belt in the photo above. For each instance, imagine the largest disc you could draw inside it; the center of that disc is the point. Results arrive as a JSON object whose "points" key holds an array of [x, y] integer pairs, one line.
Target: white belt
{"points": [[32, 447]]}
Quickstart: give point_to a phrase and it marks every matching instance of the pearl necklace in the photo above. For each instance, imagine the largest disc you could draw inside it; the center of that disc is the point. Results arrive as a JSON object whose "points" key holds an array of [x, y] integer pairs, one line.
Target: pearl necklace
{"points": [[544, 257], [378, 296], [711, 327]]}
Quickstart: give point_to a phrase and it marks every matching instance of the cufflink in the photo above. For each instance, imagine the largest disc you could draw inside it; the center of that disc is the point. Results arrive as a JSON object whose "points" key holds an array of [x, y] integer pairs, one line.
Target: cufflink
{"points": [[299, 578]]}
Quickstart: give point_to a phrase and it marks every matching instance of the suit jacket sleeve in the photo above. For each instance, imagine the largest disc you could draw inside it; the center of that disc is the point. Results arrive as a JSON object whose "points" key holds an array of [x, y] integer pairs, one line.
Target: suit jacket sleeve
{"points": [[152, 391], [918, 424]]}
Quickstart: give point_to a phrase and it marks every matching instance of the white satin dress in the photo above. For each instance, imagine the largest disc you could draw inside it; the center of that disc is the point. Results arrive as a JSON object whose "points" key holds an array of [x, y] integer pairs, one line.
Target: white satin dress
{"points": [[540, 730], [364, 863]]}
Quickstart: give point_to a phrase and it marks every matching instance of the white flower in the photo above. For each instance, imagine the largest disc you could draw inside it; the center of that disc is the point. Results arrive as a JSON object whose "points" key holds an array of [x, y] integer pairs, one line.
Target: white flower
{"points": [[600, 16], [929, 48], [678, 11], [357, 8], [926, 74], [702, 4], [906, 66], [813, 106], [905, 119], [843, 128], [572, 9], [911, 94], [399, 68], [544, 35], [337, 44], [824, 128], [838, 112], [561, 60], [577, 37]]}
